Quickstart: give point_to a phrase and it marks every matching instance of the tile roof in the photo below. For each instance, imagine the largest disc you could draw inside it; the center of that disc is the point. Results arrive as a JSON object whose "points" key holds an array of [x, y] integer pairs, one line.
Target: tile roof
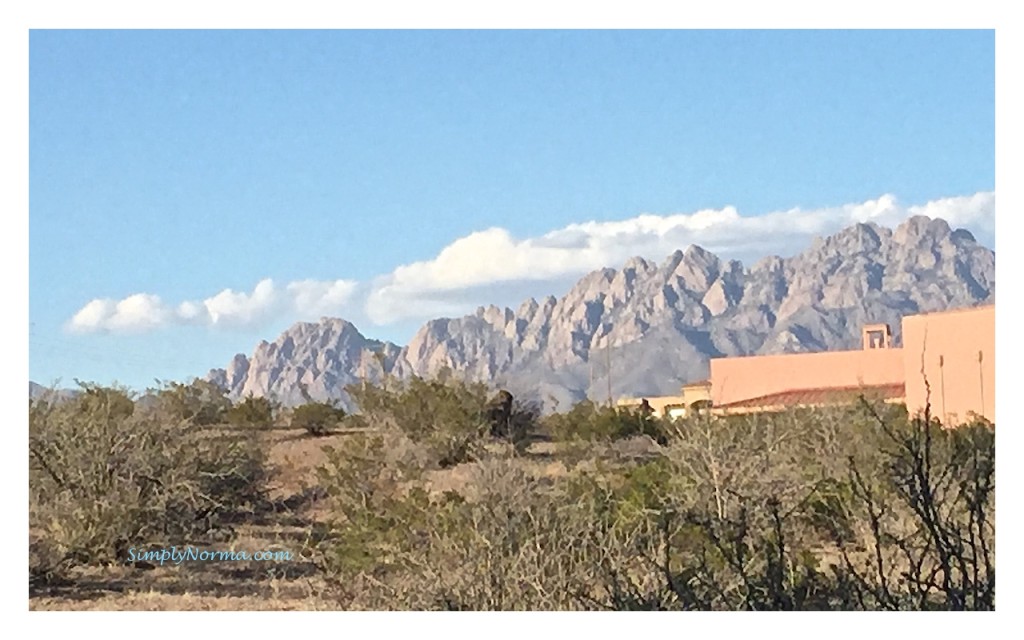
{"points": [[820, 396]]}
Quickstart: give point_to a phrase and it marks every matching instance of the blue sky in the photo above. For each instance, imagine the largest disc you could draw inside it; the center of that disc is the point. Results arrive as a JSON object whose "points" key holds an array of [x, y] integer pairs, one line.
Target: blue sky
{"points": [[388, 177]]}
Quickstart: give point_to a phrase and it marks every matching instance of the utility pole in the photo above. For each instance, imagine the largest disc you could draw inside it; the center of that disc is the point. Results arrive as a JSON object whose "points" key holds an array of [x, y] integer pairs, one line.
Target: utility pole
{"points": [[608, 364], [382, 360], [362, 367], [590, 364]]}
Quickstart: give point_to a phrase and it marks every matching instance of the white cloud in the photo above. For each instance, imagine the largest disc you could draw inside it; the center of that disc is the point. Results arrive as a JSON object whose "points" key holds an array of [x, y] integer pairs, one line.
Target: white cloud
{"points": [[321, 298], [481, 262], [975, 213], [139, 312], [492, 266], [228, 308], [92, 316], [190, 312], [236, 308]]}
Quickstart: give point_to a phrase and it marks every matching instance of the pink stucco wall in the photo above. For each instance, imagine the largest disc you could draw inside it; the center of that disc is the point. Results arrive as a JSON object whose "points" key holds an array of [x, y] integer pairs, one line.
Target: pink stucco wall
{"points": [[961, 384], [734, 379]]}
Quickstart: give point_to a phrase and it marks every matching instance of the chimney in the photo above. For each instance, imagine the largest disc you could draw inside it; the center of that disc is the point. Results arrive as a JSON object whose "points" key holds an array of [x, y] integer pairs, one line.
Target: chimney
{"points": [[876, 336]]}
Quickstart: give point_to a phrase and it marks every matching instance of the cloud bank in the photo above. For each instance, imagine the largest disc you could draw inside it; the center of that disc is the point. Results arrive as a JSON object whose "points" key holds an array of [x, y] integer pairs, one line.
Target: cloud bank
{"points": [[144, 312], [492, 266]]}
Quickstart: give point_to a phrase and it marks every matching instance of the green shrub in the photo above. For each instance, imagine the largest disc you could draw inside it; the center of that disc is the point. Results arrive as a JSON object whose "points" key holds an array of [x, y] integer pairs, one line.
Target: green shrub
{"points": [[362, 477], [590, 421], [252, 412], [447, 417], [199, 402], [317, 418]]}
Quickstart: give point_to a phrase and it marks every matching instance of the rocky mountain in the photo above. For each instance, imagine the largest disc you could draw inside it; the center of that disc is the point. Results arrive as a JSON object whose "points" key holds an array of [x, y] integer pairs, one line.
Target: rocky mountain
{"points": [[39, 392], [646, 328], [318, 358]]}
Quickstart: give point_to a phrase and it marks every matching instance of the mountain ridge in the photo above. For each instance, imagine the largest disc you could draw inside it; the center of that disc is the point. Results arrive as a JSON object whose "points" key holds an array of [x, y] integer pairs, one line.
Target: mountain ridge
{"points": [[655, 324]]}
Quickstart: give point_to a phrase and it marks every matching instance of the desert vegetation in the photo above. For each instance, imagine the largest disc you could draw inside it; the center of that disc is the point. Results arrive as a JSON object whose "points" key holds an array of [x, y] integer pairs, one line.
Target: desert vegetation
{"points": [[105, 473], [438, 494]]}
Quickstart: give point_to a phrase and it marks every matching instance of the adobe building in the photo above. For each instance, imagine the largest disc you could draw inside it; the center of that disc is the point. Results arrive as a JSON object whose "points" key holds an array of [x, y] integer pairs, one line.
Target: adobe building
{"points": [[695, 396], [950, 359], [661, 406], [947, 359]]}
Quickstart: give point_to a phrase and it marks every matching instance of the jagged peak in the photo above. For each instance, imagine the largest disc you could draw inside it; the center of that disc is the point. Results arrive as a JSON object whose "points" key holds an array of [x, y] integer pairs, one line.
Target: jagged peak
{"points": [[604, 275], [768, 263], [963, 236], [858, 232], [697, 252], [340, 324], [528, 306], [638, 263], [921, 225], [675, 256]]}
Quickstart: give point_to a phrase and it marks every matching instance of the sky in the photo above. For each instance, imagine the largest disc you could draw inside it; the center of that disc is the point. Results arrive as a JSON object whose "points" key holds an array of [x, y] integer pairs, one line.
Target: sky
{"points": [[194, 192]]}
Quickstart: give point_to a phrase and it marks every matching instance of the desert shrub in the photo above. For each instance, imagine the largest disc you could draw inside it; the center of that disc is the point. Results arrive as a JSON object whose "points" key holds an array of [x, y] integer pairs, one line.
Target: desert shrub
{"points": [[396, 545], [317, 418], [101, 478], [644, 486], [252, 412], [844, 508], [590, 421], [363, 478], [926, 523], [199, 402], [113, 402], [445, 416], [523, 424]]}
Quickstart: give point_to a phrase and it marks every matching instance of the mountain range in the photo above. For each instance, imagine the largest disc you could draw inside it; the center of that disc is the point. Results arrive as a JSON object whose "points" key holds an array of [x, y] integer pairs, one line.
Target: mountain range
{"points": [[648, 327]]}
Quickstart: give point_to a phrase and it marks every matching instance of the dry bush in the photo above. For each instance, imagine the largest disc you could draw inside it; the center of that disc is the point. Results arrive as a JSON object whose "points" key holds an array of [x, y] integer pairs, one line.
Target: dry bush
{"points": [[518, 543], [104, 476], [845, 508], [927, 528]]}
